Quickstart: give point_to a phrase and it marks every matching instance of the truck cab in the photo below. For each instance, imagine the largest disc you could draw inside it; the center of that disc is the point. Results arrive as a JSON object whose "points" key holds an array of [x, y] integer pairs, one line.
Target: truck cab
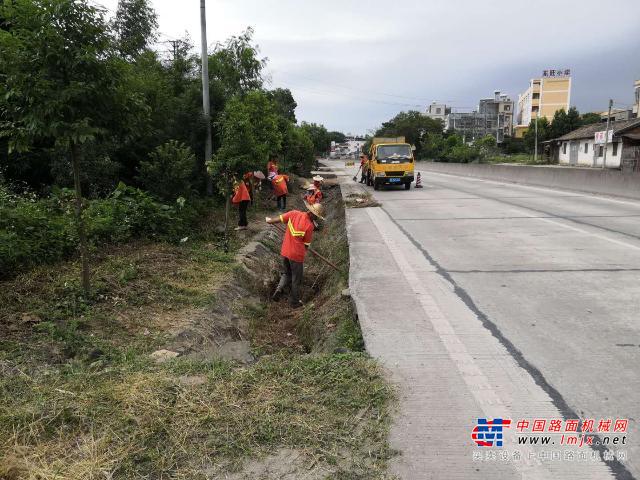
{"points": [[390, 162]]}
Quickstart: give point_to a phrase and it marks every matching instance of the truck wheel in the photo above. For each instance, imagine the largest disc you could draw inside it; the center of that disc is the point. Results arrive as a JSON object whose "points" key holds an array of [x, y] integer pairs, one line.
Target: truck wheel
{"points": [[407, 186]]}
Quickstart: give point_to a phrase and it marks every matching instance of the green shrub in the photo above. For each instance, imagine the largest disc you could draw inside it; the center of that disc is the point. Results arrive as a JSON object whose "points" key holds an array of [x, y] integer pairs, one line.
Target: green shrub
{"points": [[35, 230], [169, 171]]}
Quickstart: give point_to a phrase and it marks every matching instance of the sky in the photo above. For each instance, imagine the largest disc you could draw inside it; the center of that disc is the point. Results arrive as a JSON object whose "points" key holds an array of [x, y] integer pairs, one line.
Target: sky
{"points": [[352, 65]]}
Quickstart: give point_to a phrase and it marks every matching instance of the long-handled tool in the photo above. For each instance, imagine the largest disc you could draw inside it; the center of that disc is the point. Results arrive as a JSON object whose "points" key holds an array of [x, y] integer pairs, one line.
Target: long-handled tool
{"points": [[325, 260], [356, 175]]}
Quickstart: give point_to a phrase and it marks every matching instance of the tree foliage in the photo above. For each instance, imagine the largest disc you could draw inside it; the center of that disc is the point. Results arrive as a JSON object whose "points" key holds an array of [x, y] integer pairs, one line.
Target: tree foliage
{"points": [[319, 136], [590, 118], [414, 126], [63, 83], [544, 133], [135, 27], [249, 135], [88, 103], [168, 174], [285, 103]]}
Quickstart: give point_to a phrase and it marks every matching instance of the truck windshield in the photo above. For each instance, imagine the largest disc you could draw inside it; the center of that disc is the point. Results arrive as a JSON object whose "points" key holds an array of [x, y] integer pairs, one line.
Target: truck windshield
{"points": [[393, 153]]}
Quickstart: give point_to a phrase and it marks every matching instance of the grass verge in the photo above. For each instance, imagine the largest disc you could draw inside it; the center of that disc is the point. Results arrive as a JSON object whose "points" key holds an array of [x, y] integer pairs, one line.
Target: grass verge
{"points": [[81, 399]]}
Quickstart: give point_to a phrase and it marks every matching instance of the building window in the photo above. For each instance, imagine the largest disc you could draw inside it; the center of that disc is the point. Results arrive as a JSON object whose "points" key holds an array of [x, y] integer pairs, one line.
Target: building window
{"points": [[535, 108], [536, 96], [615, 149], [600, 151], [586, 148], [564, 148], [507, 108], [438, 110]]}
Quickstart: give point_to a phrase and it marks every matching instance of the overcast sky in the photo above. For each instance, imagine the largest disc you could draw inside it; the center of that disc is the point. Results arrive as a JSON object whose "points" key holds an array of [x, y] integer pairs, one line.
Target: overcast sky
{"points": [[354, 64]]}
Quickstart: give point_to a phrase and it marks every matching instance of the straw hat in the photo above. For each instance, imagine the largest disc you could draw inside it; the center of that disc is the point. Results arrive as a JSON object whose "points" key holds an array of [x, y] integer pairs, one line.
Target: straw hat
{"points": [[309, 186], [318, 178], [317, 209]]}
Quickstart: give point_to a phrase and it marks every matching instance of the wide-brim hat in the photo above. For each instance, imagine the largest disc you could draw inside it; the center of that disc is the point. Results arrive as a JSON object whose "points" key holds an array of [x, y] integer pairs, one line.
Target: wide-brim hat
{"points": [[318, 178], [309, 186], [317, 209]]}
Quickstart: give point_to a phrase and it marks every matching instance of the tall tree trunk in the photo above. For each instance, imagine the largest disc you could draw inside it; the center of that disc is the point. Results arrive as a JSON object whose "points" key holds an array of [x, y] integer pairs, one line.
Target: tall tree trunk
{"points": [[227, 194], [82, 235]]}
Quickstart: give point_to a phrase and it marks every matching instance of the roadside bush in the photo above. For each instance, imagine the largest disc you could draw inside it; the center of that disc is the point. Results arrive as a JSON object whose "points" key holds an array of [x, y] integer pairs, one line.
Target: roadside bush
{"points": [[35, 230], [32, 231], [463, 154], [168, 173]]}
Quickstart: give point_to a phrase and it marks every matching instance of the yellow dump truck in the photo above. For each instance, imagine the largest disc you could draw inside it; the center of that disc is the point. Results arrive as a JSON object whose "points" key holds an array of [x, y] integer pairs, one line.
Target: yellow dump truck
{"points": [[390, 162]]}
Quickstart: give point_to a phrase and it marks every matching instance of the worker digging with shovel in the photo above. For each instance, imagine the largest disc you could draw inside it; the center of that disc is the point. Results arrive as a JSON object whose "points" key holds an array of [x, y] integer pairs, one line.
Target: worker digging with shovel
{"points": [[297, 239]]}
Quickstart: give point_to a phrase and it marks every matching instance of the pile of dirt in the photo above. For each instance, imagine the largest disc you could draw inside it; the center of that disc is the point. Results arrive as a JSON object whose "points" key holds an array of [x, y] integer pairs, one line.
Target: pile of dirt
{"points": [[361, 200]]}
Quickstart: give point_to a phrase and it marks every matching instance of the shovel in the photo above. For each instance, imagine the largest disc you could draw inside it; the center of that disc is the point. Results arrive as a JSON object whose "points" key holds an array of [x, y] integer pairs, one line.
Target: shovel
{"points": [[356, 175]]}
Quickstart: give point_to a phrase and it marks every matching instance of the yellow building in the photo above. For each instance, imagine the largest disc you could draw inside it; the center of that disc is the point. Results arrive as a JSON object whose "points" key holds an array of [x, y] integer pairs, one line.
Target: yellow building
{"points": [[544, 97]]}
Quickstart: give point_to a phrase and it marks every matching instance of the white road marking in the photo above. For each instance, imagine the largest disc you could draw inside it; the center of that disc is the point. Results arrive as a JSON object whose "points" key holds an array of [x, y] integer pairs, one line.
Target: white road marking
{"points": [[573, 193], [475, 380], [525, 212]]}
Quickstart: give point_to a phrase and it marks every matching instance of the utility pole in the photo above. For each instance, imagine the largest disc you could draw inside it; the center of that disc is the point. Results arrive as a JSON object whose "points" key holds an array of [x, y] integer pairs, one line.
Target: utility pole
{"points": [[535, 148], [205, 92], [606, 135]]}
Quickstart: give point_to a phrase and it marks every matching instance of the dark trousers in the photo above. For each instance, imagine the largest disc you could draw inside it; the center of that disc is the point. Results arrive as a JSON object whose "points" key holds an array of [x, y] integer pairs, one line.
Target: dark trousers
{"points": [[242, 210], [291, 277], [363, 176], [282, 202]]}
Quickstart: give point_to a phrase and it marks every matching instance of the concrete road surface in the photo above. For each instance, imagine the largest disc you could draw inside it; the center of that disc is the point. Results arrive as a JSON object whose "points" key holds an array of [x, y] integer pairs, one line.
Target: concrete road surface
{"points": [[502, 301]]}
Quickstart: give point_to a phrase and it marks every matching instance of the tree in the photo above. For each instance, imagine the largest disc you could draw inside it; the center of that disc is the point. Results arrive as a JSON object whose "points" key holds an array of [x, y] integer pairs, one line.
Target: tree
{"points": [[298, 150], [319, 136], [564, 122], [234, 67], [573, 119], [559, 124], [337, 137], [135, 25], [486, 146], [413, 125], [285, 102], [543, 133], [63, 84], [249, 134], [590, 118], [169, 171]]}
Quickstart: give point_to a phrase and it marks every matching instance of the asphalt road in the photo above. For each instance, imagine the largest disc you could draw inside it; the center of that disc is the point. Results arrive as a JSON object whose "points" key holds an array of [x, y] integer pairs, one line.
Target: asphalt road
{"points": [[508, 300]]}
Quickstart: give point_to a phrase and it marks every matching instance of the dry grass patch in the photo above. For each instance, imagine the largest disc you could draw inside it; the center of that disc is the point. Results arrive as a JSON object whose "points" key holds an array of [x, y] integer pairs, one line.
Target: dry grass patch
{"points": [[140, 420]]}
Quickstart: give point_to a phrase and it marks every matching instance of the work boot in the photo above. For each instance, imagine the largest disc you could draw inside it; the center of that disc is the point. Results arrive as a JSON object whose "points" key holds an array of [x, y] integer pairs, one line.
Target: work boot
{"points": [[297, 304]]}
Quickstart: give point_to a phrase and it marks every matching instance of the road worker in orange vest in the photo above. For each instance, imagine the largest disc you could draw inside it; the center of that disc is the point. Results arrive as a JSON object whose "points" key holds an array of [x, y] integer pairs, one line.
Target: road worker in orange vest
{"points": [[363, 168], [242, 198], [297, 239], [280, 190], [314, 193]]}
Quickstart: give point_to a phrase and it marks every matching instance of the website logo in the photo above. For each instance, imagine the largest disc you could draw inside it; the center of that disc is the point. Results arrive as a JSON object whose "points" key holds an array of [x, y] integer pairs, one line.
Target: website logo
{"points": [[488, 433]]}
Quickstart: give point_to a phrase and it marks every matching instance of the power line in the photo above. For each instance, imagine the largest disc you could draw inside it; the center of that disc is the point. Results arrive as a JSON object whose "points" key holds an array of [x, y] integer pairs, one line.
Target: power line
{"points": [[333, 93], [421, 99]]}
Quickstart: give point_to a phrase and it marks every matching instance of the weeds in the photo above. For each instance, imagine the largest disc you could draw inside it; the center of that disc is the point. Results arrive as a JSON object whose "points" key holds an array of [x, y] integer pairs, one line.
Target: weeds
{"points": [[81, 399], [139, 420]]}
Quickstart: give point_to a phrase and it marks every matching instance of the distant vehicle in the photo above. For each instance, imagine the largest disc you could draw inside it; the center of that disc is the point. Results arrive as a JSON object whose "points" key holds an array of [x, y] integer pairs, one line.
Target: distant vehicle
{"points": [[390, 162]]}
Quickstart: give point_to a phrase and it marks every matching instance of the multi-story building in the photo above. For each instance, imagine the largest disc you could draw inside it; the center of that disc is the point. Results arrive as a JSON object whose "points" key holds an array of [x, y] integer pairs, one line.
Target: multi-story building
{"points": [[437, 111], [500, 106], [544, 97], [473, 125], [494, 116], [617, 115]]}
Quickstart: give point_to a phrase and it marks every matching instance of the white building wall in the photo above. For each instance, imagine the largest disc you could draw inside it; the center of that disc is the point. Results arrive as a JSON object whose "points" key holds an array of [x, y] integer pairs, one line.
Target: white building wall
{"points": [[586, 159]]}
